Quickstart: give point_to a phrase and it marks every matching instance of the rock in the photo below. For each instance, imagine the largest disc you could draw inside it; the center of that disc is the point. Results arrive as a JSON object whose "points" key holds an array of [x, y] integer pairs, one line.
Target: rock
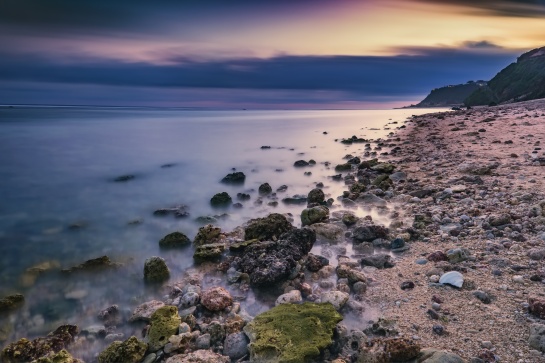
{"points": [[335, 298], [537, 337], [453, 278], [315, 262], [397, 243], [95, 264], [537, 307], [431, 355], [156, 270], [265, 189], [236, 345], [369, 233], [314, 215], [369, 199], [292, 297], [437, 256], [199, 356], [537, 254], [164, 323], [179, 211], [476, 168], [25, 350], [234, 178], [407, 285], [208, 234], [379, 260], [483, 296], [267, 228], [11, 302], [438, 329], [189, 299], [300, 163], [343, 167], [457, 255], [61, 357], [385, 168], [145, 311], [174, 240], [349, 219], [452, 229], [209, 251], [500, 220], [389, 350], [203, 341], [272, 261], [281, 334], [110, 316], [216, 299], [295, 199], [316, 196], [130, 351], [328, 231], [221, 200]]}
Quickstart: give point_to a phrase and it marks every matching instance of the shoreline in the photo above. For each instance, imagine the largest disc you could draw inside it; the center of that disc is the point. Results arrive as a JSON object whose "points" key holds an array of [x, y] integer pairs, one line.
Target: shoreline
{"points": [[455, 182]]}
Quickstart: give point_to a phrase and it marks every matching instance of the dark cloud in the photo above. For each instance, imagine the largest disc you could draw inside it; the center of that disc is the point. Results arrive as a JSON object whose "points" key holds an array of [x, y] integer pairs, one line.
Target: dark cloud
{"points": [[514, 8], [483, 44], [358, 75]]}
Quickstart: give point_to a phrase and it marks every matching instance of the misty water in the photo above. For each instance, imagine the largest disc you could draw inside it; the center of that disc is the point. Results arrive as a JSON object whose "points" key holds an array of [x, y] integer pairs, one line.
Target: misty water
{"points": [[59, 202]]}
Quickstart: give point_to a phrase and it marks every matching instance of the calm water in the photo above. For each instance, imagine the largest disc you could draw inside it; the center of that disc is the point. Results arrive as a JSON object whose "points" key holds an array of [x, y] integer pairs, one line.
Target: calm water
{"points": [[57, 167]]}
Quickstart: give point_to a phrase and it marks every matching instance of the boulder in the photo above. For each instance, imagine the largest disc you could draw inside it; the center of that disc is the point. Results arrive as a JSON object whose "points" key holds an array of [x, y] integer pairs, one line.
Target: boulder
{"points": [[369, 233], [25, 350], [156, 270], [174, 240], [11, 302], [209, 252], [300, 163], [60, 357], [267, 228], [208, 234], [328, 231], [236, 345], [265, 189], [314, 215], [179, 211], [316, 195], [335, 298], [145, 311], [216, 299], [315, 262], [537, 337], [234, 178], [221, 200], [131, 350], [379, 260], [164, 323], [290, 333], [94, 264]]}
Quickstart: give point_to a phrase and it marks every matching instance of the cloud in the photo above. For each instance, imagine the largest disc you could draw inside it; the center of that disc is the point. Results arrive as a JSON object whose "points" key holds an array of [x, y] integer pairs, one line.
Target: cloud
{"points": [[364, 75], [509, 8]]}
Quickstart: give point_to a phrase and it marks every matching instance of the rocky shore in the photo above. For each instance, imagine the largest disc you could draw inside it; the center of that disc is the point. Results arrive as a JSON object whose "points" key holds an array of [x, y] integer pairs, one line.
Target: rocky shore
{"points": [[433, 253]]}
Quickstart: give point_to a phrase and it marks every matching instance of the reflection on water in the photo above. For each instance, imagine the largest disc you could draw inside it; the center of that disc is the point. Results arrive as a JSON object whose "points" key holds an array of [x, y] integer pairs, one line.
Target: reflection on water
{"points": [[61, 206]]}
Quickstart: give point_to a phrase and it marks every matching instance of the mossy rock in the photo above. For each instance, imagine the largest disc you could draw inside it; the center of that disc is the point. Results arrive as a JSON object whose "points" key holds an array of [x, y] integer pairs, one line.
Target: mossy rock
{"points": [[208, 234], [164, 323], [61, 357], [240, 246], [209, 251], [156, 270], [221, 199], [11, 302], [174, 240], [268, 228], [131, 350], [384, 168], [343, 167], [292, 333]]}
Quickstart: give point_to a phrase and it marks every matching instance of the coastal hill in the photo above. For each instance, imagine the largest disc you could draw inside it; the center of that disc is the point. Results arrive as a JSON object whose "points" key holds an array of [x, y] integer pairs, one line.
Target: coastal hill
{"points": [[520, 81], [453, 95]]}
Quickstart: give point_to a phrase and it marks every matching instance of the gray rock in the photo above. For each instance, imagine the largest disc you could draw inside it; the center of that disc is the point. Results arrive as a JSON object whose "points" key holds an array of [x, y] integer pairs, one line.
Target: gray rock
{"points": [[189, 299], [371, 199], [203, 341], [537, 337], [380, 260], [537, 254], [457, 255], [335, 298], [483, 296], [316, 196], [451, 228], [292, 297], [144, 311], [236, 345], [431, 355], [328, 231]]}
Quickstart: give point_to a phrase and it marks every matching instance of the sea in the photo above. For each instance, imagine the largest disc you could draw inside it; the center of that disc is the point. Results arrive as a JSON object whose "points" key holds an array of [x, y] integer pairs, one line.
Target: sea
{"points": [[61, 205]]}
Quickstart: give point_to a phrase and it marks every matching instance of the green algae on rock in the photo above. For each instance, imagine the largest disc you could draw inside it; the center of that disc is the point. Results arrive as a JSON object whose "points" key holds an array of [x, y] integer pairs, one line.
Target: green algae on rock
{"points": [[61, 357], [156, 270], [268, 228], [174, 240], [164, 323], [291, 333], [131, 350]]}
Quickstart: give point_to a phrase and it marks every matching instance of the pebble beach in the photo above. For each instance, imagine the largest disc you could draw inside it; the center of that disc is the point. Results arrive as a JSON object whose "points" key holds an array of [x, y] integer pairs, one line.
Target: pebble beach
{"points": [[432, 252]]}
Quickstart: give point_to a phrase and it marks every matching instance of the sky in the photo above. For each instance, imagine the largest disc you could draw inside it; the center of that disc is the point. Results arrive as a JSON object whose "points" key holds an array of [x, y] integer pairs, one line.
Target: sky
{"points": [[278, 54]]}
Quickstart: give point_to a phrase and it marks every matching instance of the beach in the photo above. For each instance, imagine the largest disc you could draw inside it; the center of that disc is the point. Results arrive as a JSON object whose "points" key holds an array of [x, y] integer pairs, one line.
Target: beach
{"points": [[371, 234]]}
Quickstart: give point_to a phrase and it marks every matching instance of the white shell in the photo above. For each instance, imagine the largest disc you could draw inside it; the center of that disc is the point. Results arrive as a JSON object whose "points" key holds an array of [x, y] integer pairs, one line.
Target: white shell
{"points": [[453, 278]]}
